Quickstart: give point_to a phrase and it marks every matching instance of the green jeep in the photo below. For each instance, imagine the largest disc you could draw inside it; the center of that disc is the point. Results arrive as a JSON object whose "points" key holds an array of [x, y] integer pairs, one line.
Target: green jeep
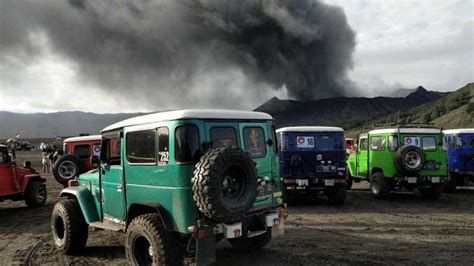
{"points": [[178, 182], [400, 158]]}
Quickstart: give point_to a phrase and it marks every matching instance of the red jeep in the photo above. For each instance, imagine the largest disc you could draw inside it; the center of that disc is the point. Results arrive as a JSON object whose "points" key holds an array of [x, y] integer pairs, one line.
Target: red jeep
{"points": [[81, 154], [20, 183]]}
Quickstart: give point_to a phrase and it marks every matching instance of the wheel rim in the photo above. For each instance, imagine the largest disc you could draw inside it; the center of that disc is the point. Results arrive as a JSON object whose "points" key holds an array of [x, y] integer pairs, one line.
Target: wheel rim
{"points": [[59, 229], [67, 170], [375, 186], [412, 160], [40, 194], [142, 250], [233, 183]]}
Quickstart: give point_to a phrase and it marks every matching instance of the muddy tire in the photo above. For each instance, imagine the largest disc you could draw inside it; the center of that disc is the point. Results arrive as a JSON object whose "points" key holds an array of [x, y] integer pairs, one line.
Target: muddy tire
{"points": [[379, 186], [450, 186], [67, 168], [433, 192], [225, 184], [148, 243], [69, 229], [35, 194], [337, 195], [251, 244], [409, 159]]}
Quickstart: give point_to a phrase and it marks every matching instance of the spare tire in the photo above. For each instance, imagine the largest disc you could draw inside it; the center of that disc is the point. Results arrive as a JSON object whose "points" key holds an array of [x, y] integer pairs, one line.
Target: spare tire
{"points": [[409, 159], [66, 168], [224, 184]]}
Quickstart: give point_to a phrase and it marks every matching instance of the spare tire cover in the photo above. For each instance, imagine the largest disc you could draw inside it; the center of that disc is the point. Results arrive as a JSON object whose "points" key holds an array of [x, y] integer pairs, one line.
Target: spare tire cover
{"points": [[224, 184], [409, 159]]}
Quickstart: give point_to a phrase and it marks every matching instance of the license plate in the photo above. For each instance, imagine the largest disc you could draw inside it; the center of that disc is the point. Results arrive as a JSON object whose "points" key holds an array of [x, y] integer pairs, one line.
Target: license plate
{"points": [[435, 179], [412, 180], [329, 182], [302, 182]]}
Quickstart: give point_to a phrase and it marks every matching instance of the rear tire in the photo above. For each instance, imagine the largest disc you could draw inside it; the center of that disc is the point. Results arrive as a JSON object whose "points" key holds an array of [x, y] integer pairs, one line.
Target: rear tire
{"points": [[336, 195], [69, 229], [432, 193], [252, 244], [450, 186], [379, 186], [35, 194], [148, 243]]}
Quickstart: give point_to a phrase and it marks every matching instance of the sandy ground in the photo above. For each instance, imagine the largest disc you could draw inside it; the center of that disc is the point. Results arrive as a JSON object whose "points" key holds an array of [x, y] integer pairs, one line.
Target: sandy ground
{"points": [[406, 230]]}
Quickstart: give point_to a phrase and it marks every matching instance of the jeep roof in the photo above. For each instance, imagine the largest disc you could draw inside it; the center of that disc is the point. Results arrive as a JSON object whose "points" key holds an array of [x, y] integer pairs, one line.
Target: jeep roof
{"points": [[83, 138], [459, 131], [404, 130], [310, 129], [190, 114]]}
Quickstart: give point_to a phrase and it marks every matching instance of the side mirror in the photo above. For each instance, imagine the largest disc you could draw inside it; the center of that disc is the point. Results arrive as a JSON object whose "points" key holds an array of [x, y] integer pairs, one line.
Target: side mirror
{"points": [[270, 142]]}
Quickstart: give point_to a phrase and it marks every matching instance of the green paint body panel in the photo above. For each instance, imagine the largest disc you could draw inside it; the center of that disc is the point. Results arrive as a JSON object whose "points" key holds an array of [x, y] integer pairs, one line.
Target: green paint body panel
{"points": [[86, 201], [362, 163], [168, 185]]}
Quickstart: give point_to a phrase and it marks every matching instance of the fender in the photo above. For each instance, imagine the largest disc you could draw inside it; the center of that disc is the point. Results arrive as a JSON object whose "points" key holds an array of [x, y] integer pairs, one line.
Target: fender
{"points": [[139, 208], [31, 177], [351, 167], [86, 202]]}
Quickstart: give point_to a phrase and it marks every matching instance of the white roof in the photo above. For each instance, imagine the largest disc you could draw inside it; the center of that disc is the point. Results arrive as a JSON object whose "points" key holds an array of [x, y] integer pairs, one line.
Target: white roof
{"points": [[83, 138], [459, 130], [406, 130], [190, 114], [310, 129]]}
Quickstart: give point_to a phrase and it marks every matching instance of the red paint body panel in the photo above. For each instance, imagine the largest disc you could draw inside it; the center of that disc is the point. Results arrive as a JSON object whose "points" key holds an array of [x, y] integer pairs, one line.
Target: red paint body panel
{"points": [[70, 148]]}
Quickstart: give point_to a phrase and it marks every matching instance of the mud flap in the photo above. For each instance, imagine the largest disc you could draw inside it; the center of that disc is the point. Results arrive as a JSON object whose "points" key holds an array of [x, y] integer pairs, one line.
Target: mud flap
{"points": [[206, 250]]}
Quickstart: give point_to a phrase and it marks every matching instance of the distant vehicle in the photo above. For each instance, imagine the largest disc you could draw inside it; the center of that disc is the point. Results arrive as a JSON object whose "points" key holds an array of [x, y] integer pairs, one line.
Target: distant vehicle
{"points": [[313, 159], [178, 181], [400, 157], [460, 151], [81, 154], [20, 183]]}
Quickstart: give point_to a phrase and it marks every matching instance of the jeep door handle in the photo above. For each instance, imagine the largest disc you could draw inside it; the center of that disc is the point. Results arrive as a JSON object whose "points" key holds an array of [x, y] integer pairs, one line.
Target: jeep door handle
{"points": [[119, 187]]}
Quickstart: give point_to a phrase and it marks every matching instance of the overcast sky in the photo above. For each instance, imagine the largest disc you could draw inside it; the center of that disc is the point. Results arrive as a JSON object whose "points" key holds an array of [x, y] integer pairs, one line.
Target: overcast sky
{"points": [[398, 44]]}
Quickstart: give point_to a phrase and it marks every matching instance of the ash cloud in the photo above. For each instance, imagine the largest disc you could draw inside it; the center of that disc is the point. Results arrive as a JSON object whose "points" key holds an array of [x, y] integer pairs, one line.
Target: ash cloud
{"points": [[184, 49]]}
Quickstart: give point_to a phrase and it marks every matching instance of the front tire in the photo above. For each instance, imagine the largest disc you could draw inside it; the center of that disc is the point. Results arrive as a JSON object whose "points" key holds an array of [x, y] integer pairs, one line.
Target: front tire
{"points": [[35, 194], [252, 244], [69, 229], [379, 186], [148, 243]]}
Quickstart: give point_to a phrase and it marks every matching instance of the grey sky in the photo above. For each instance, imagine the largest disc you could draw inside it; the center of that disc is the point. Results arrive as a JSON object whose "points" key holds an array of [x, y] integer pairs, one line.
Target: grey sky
{"points": [[398, 44]]}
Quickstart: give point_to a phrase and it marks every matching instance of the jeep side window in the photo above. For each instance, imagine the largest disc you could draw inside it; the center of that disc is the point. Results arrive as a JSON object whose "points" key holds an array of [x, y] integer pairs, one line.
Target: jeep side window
{"points": [[163, 145], [276, 141], [223, 137], [187, 147], [82, 151], [457, 141], [4, 157], [110, 149], [254, 142], [471, 142], [363, 144], [377, 143], [429, 143], [141, 147], [392, 142]]}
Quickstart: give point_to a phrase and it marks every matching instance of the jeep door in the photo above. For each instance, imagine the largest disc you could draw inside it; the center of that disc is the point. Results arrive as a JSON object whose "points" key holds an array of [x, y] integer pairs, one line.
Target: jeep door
{"points": [[254, 140], [6, 174], [362, 156], [111, 176]]}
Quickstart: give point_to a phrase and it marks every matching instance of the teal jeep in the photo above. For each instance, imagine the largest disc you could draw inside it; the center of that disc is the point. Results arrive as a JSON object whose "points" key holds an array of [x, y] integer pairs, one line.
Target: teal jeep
{"points": [[177, 182], [400, 158]]}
